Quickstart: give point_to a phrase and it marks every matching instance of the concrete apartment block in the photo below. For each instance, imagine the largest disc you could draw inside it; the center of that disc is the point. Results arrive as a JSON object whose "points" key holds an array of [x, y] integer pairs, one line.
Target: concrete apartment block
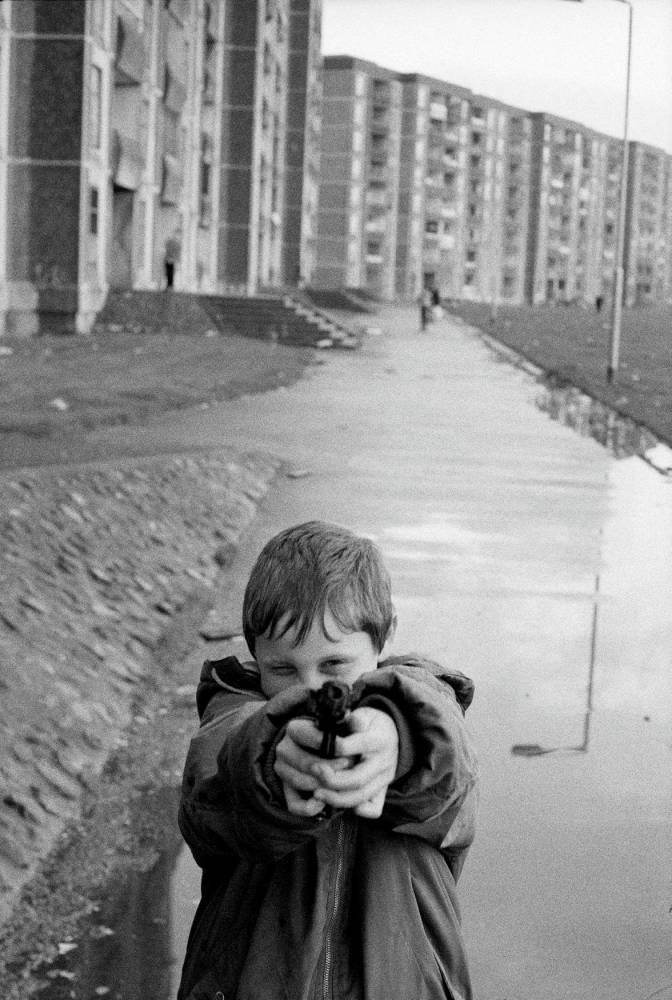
{"points": [[489, 251], [495, 203], [252, 156], [359, 177], [432, 187], [131, 128], [575, 181], [647, 225], [304, 122], [41, 265], [516, 208]]}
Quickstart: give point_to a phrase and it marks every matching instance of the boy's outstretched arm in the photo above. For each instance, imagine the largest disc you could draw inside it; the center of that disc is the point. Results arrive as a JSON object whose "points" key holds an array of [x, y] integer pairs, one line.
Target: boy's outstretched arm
{"points": [[232, 801], [434, 792]]}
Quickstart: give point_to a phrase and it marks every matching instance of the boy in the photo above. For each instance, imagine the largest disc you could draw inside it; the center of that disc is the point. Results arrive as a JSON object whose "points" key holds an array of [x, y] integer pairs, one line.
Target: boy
{"points": [[327, 878]]}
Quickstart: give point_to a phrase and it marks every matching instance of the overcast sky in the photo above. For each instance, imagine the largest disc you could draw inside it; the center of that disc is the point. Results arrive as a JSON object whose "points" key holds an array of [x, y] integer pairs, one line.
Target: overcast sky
{"points": [[560, 56]]}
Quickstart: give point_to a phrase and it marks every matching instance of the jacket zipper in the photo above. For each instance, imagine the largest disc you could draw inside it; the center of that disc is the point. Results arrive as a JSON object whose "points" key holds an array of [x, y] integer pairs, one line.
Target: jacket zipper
{"points": [[338, 880]]}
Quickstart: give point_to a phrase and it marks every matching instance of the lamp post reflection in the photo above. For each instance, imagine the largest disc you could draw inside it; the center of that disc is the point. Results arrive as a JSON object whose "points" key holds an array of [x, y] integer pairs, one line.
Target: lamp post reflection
{"points": [[536, 749]]}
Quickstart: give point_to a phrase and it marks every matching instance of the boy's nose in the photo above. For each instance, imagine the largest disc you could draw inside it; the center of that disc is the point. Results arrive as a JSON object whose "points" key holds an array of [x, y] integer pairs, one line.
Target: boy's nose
{"points": [[311, 678]]}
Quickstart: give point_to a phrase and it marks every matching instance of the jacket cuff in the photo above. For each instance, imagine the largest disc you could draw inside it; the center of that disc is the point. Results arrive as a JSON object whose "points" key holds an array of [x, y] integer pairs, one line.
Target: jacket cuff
{"points": [[406, 746]]}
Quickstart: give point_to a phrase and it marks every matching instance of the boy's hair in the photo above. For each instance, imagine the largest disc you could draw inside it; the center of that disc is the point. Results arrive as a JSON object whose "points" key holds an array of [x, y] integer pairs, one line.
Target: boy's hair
{"points": [[313, 567]]}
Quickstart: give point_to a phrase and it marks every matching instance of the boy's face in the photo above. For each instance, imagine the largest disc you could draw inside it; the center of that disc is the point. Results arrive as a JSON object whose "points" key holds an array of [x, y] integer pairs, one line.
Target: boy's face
{"points": [[345, 657]]}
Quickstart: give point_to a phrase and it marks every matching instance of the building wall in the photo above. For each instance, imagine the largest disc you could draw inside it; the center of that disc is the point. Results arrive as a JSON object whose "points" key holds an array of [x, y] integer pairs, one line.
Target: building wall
{"points": [[645, 232], [515, 223], [43, 54], [432, 193], [359, 177], [381, 183], [134, 126], [302, 165]]}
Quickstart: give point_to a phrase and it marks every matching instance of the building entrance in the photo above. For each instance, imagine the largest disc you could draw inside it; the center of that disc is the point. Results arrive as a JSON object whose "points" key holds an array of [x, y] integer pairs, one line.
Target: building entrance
{"points": [[121, 262]]}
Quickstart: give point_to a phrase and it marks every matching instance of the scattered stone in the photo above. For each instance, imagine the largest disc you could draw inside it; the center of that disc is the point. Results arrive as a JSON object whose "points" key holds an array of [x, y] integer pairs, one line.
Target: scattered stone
{"points": [[224, 554], [217, 633], [59, 404], [297, 473]]}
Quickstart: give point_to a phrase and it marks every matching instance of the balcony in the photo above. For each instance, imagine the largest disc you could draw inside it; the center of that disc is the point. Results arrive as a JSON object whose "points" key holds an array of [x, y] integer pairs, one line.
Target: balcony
{"points": [[431, 255], [376, 224], [477, 121], [126, 161], [378, 197], [379, 173], [380, 117], [438, 112], [174, 91], [380, 126], [381, 94], [434, 180], [129, 64]]}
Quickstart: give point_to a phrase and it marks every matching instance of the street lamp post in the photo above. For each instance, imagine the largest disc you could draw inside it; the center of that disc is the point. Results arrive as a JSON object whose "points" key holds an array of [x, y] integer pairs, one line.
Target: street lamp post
{"points": [[619, 273], [617, 315]]}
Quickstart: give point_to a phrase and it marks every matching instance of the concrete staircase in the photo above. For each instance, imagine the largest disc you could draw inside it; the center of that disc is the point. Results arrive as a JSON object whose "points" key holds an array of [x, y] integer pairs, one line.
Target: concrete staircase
{"points": [[279, 319]]}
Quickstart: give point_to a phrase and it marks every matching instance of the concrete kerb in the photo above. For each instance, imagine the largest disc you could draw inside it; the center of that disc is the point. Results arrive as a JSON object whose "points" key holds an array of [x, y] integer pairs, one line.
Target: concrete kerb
{"points": [[97, 560]]}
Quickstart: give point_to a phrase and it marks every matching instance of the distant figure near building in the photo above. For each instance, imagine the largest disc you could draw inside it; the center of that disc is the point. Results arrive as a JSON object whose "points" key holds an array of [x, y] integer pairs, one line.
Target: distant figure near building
{"points": [[172, 258], [599, 300], [425, 303]]}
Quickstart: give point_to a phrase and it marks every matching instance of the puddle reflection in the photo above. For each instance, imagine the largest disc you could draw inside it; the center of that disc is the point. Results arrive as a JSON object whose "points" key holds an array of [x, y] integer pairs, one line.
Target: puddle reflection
{"points": [[129, 949], [620, 435]]}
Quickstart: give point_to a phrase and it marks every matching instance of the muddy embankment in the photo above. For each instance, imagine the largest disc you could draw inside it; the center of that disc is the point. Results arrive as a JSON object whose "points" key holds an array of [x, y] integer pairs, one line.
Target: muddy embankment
{"points": [[105, 573]]}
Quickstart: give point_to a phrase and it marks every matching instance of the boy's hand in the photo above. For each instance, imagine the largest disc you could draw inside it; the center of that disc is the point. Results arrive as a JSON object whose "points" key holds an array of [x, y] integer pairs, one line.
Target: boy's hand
{"points": [[295, 758], [366, 764]]}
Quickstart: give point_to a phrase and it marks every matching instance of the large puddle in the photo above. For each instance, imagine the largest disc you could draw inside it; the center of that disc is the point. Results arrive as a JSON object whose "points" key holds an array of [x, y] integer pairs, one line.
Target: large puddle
{"points": [[620, 435], [133, 945]]}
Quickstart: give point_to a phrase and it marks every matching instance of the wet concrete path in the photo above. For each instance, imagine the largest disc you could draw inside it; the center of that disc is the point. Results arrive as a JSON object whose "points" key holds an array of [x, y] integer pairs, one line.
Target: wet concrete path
{"points": [[541, 565]]}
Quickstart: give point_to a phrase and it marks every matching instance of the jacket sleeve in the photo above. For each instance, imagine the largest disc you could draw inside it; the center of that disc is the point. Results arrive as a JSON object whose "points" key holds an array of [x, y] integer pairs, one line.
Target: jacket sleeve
{"points": [[232, 803], [434, 795]]}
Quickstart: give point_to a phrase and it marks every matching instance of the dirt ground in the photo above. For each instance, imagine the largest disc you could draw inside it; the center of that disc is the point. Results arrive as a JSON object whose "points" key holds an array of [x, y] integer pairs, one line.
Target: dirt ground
{"points": [[53, 390]]}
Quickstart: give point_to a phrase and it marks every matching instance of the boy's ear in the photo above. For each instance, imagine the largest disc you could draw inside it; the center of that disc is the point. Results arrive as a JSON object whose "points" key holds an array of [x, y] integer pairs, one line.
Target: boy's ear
{"points": [[389, 639]]}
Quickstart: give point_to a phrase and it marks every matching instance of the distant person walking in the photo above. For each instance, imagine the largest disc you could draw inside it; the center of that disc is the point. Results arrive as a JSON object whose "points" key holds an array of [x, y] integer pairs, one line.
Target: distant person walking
{"points": [[425, 302], [599, 300], [172, 258], [437, 308]]}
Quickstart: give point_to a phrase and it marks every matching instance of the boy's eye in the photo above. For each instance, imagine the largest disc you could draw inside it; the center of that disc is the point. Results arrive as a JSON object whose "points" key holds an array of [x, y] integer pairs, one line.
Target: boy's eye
{"points": [[332, 666], [283, 669]]}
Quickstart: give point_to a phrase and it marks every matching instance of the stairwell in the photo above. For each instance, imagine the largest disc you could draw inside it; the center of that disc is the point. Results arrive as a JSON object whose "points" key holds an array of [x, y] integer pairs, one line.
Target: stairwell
{"points": [[277, 319]]}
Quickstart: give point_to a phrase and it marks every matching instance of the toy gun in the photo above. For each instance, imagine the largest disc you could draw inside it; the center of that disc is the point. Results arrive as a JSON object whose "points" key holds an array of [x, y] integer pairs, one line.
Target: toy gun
{"points": [[329, 707]]}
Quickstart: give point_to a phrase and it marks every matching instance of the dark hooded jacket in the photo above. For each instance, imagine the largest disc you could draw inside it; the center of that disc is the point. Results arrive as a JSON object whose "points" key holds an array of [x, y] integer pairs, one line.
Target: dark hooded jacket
{"points": [[338, 907]]}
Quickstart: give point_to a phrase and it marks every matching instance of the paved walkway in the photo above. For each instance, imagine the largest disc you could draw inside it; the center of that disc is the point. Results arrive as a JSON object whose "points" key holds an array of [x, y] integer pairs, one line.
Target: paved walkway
{"points": [[531, 558]]}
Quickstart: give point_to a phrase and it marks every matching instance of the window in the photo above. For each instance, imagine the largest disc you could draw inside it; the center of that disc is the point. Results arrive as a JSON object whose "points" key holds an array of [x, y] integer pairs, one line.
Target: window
{"points": [[96, 98], [93, 211], [205, 207]]}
